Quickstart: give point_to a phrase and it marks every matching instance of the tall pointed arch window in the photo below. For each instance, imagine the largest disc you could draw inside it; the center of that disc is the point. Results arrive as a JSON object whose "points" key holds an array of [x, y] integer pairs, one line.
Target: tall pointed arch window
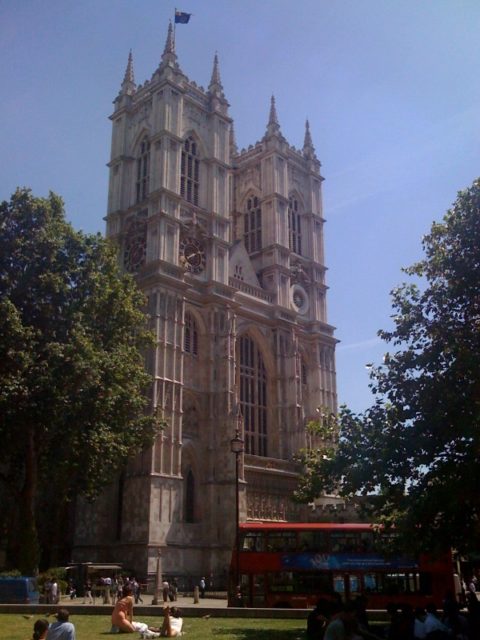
{"points": [[190, 497], [303, 372], [143, 171], [253, 397], [294, 226], [190, 337], [253, 225], [190, 171]]}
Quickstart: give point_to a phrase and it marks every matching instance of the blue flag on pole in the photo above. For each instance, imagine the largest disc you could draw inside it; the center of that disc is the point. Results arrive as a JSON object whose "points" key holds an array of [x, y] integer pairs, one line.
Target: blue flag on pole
{"points": [[181, 17]]}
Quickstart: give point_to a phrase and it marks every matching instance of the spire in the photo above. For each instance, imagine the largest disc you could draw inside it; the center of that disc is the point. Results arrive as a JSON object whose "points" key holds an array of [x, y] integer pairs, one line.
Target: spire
{"points": [[170, 42], [233, 142], [128, 85], [215, 85], [169, 56], [273, 128], [308, 148]]}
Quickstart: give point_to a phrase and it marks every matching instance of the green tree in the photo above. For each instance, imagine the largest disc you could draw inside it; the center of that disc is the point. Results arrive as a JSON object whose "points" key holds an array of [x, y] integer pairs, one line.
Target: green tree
{"points": [[418, 447], [72, 378]]}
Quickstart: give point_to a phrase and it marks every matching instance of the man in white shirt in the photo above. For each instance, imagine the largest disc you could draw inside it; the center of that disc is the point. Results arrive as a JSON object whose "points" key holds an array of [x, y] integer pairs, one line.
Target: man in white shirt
{"points": [[54, 592]]}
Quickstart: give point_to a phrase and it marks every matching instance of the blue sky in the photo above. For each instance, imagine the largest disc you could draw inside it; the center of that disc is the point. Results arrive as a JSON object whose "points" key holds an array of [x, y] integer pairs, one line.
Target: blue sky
{"points": [[391, 89]]}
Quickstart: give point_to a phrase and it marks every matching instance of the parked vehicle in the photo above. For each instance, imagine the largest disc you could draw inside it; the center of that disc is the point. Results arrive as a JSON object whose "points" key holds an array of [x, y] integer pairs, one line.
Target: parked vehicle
{"points": [[294, 564], [19, 590]]}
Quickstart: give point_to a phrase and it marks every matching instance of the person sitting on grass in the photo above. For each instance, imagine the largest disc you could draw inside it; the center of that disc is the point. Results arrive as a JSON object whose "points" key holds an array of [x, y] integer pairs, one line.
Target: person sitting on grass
{"points": [[172, 623], [62, 629], [171, 626], [40, 629], [122, 615]]}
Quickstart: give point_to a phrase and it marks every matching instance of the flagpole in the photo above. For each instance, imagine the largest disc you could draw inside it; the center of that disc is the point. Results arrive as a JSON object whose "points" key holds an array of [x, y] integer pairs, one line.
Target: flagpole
{"points": [[174, 28]]}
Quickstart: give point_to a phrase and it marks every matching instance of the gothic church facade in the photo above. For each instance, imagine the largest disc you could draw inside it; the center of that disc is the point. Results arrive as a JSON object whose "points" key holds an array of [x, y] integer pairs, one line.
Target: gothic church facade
{"points": [[228, 247]]}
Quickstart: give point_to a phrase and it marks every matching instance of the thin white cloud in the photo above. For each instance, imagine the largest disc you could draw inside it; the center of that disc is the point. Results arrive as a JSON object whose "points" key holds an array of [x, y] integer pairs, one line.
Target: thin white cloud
{"points": [[380, 174], [363, 344]]}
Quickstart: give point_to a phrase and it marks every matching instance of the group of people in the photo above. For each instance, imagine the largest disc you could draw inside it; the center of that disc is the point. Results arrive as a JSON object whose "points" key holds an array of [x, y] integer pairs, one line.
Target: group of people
{"points": [[427, 623], [123, 622], [51, 591], [334, 620], [62, 629], [170, 590], [349, 621], [115, 588]]}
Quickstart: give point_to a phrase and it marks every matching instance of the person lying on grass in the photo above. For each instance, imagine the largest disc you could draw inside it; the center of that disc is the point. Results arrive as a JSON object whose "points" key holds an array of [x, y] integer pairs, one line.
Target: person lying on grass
{"points": [[171, 626], [122, 618]]}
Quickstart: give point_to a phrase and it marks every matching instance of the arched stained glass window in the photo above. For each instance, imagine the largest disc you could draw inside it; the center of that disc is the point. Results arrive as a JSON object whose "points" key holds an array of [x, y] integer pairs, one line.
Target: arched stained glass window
{"points": [[253, 397], [303, 372], [190, 497]]}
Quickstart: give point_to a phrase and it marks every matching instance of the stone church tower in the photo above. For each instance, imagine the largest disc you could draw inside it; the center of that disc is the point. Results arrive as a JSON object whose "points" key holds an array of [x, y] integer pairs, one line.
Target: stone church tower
{"points": [[228, 247]]}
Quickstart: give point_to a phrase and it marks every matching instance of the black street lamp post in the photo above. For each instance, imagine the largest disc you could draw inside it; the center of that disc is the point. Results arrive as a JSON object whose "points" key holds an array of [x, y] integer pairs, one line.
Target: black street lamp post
{"points": [[236, 446]]}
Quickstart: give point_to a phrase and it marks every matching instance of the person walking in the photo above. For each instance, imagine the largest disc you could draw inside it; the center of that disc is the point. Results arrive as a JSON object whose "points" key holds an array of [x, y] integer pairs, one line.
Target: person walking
{"points": [[87, 592], [114, 589], [54, 592], [137, 591], [48, 590], [165, 590], [173, 592]]}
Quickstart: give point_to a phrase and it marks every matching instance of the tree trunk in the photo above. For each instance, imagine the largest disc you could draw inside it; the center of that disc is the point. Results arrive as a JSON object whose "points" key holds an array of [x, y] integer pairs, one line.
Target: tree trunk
{"points": [[27, 534]]}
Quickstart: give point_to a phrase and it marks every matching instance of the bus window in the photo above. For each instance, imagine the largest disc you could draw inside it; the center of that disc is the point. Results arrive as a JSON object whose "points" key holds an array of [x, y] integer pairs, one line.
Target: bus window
{"points": [[396, 583], [282, 541], [371, 583], [281, 581], [413, 582], [366, 541], [425, 586], [345, 542], [253, 541], [312, 582], [339, 583], [313, 541], [353, 586]]}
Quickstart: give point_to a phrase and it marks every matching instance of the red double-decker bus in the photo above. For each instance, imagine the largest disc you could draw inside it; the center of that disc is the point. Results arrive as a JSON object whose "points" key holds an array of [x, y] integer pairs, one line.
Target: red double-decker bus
{"points": [[294, 564]]}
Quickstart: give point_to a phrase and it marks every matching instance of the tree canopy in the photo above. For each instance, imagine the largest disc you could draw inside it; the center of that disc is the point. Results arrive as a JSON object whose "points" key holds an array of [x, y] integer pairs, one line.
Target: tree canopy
{"points": [[417, 449], [72, 378]]}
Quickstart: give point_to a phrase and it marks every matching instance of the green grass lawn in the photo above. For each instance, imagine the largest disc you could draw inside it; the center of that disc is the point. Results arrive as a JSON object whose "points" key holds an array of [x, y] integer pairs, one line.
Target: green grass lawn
{"points": [[16, 627]]}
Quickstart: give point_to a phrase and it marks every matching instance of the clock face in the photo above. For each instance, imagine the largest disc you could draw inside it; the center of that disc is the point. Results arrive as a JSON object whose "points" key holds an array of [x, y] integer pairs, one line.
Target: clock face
{"points": [[299, 299], [135, 248], [193, 253]]}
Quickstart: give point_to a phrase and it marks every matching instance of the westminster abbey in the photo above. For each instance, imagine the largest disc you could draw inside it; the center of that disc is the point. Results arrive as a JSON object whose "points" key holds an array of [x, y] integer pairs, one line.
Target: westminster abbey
{"points": [[228, 247]]}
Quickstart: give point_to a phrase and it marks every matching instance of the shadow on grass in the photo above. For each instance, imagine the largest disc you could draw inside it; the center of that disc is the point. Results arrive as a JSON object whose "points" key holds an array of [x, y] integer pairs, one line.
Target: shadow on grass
{"points": [[246, 633]]}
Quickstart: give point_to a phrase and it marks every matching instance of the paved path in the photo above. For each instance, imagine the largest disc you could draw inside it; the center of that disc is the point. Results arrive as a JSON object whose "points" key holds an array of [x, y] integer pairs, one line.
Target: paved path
{"points": [[182, 601]]}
